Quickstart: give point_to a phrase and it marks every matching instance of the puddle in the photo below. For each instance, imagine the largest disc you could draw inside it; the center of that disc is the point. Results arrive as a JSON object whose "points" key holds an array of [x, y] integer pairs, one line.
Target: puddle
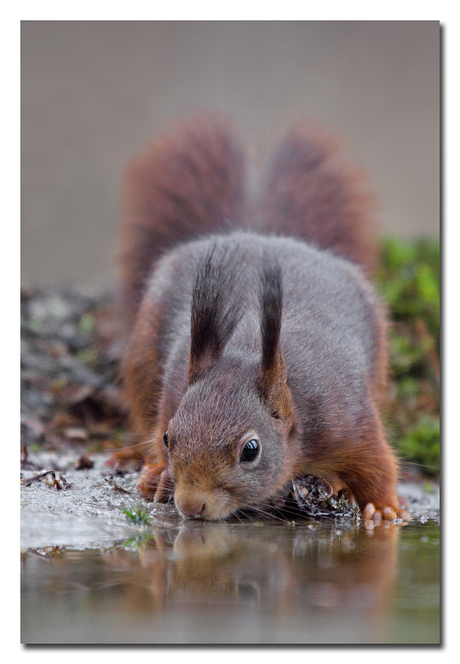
{"points": [[238, 583], [102, 579]]}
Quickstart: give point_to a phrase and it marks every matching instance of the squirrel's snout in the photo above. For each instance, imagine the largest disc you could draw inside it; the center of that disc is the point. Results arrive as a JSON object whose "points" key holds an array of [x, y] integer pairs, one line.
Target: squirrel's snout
{"points": [[190, 508], [193, 503]]}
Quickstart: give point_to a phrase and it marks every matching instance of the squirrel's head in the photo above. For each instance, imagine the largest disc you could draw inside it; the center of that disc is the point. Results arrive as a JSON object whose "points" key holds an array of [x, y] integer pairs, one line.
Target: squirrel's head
{"points": [[232, 440]]}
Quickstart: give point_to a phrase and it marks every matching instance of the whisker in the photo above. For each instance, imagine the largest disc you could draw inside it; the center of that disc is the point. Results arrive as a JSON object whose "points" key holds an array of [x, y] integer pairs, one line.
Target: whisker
{"points": [[265, 510], [275, 513]]}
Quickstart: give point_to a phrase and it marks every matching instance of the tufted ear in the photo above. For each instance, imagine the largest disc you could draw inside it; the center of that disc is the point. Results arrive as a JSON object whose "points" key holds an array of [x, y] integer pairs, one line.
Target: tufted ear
{"points": [[272, 373], [214, 315]]}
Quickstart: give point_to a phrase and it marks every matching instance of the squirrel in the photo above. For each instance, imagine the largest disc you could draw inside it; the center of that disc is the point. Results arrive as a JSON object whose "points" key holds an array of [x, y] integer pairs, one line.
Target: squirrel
{"points": [[255, 344]]}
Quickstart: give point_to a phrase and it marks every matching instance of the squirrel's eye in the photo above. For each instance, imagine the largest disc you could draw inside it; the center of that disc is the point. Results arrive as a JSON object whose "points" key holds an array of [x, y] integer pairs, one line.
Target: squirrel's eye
{"points": [[250, 451], [165, 439]]}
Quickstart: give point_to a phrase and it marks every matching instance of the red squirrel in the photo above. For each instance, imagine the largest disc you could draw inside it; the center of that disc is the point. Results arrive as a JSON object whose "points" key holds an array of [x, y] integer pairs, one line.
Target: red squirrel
{"points": [[256, 347]]}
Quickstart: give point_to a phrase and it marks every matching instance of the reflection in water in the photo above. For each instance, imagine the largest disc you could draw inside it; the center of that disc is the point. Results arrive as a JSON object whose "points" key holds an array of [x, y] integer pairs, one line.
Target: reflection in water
{"points": [[198, 582]]}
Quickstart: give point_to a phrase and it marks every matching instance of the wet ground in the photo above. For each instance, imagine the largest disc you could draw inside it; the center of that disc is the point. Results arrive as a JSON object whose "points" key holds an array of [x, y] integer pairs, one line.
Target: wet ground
{"points": [[92, 575]]}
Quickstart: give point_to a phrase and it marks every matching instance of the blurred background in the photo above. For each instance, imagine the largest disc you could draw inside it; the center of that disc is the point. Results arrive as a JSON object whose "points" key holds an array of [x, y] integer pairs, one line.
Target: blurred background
{"points": [[93, 93]]}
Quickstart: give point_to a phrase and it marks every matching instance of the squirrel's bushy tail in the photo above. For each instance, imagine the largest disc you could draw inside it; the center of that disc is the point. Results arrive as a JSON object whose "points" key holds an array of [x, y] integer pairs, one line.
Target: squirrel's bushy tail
{"points": [[188, 183], [193, 181], [310, 195]]}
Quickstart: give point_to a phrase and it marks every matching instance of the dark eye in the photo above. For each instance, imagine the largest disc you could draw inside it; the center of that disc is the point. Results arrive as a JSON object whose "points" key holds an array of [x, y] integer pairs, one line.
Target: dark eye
{"points": [[250, 451], [165, 439]]}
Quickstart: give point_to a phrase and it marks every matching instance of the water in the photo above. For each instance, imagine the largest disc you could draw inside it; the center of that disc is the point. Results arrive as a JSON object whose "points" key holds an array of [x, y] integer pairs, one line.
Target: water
{"points": [[249, 582]]}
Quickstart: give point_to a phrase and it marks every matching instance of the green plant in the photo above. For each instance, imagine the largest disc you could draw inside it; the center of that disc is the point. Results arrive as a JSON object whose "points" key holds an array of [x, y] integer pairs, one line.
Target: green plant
{"points": [[409, 281], [139, 516]]}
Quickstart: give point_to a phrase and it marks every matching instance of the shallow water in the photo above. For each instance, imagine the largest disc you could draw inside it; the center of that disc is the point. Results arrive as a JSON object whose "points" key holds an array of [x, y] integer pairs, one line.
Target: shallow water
{"points": [[208, 583], [243, 582]]}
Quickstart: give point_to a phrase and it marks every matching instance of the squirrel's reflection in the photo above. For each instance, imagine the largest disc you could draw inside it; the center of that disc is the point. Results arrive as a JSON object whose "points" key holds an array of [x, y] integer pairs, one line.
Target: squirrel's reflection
{"points": [[285, 568]]}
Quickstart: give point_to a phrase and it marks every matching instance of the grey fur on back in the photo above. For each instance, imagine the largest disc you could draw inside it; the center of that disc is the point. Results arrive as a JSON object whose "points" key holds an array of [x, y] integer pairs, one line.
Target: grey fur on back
{"points": [[328, 322]]}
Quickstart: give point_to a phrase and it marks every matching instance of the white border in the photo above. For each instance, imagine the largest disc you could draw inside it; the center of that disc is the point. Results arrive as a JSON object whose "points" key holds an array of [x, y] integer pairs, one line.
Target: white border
{"points": [[9, 281]]}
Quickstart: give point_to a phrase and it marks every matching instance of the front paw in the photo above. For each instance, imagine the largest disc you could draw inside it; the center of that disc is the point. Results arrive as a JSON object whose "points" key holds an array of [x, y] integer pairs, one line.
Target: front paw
{"points": [[387, 513], [125, 458], [155, 483]]}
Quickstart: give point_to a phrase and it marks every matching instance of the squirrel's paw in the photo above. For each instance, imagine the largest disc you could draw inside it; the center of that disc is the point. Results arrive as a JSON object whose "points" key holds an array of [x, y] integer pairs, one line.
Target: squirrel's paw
{"points": [[127, 456], [133, 455], [155, 483], [369, 513]]}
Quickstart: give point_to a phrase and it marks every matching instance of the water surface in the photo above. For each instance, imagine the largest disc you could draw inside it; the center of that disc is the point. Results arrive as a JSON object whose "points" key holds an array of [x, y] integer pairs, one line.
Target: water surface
{"points": [[248, 582]]}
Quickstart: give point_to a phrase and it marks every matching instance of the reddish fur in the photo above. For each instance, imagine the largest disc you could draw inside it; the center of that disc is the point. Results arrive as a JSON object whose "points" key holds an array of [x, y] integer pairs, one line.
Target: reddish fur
{"points": [[309, 194], [187, 183], [191, 184], [364, 464]]}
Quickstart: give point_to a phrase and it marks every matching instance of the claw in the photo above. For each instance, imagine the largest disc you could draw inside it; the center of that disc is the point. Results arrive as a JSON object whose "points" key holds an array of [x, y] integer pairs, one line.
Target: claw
{"points": [[368, 511], [164, 490], [150, 479], [377, 518], [388, 514]]}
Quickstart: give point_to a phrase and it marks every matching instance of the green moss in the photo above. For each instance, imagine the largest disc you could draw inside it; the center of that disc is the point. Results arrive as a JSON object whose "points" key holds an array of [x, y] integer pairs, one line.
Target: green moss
{"points": [[409, 281], [87, 323], [87, 356], [421, 443]]}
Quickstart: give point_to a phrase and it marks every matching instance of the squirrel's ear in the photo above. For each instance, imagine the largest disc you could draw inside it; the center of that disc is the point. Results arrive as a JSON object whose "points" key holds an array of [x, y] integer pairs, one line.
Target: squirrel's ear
{"points": [[274, 388], [213, 315], [272, 375]]}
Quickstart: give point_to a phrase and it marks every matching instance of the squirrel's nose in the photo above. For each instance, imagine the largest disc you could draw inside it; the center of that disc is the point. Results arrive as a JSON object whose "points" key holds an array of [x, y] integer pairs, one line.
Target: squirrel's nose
{"points": [[190, 508]]}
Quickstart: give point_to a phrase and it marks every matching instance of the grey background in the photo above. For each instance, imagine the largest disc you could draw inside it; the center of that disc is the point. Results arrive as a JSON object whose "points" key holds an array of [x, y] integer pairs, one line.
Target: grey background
{"points": [[93, 93]]}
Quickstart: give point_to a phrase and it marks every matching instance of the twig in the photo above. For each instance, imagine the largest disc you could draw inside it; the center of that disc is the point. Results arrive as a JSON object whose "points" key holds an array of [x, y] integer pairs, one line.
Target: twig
{"points": [[38, 477]]}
